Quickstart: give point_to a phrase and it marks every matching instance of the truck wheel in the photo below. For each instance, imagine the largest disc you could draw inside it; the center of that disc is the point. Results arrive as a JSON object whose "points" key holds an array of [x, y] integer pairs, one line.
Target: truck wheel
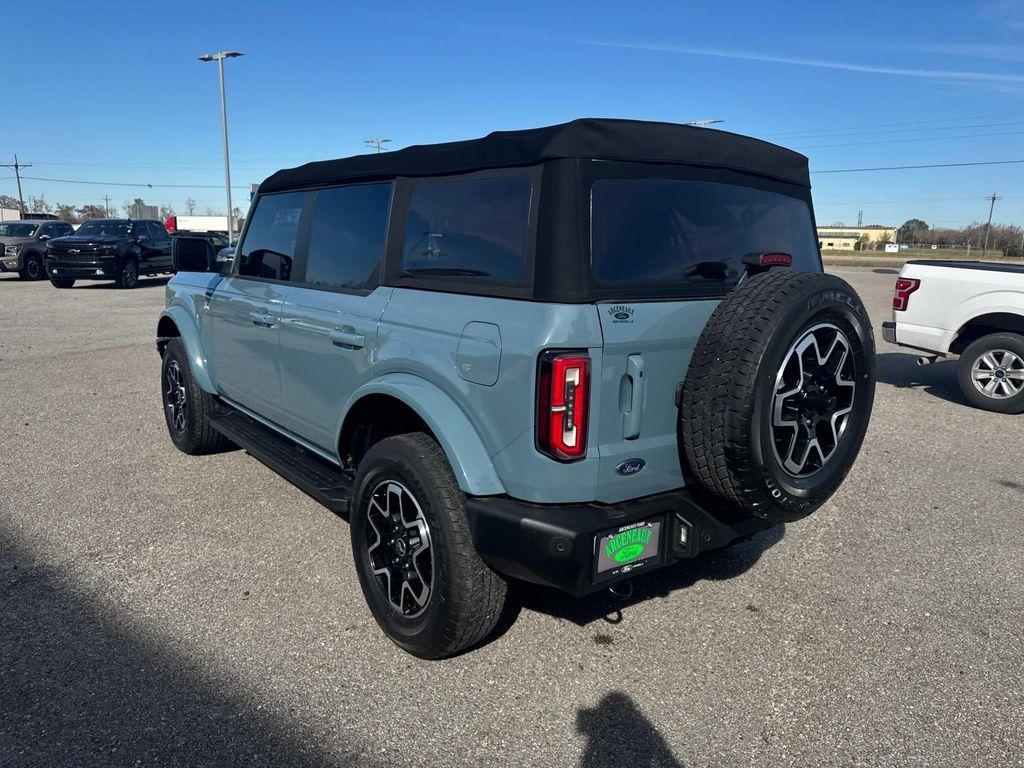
{"points": [[187, 406], [32, 269], [62, 282], [422, 578], [128, 277], [778, 393], [991, 373]]}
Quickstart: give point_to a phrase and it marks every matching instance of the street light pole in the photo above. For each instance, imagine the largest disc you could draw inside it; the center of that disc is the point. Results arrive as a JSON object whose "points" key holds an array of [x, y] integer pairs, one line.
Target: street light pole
{"points": [[219, 58]]}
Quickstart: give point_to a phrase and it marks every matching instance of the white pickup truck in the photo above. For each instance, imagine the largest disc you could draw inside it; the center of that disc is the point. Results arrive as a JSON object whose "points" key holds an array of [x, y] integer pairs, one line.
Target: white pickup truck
{"points": [[973, 309]]}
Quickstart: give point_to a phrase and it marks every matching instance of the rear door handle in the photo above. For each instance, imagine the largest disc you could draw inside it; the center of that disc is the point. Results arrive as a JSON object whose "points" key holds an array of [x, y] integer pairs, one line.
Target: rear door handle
{"points": [[261, 319], [347, 339], [635, 407]]}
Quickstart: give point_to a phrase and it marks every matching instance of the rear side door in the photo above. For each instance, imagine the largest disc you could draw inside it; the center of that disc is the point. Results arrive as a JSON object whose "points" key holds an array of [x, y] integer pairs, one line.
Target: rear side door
{"points": [[160, 246], [649, 237], [330, 320], [245, 308]]}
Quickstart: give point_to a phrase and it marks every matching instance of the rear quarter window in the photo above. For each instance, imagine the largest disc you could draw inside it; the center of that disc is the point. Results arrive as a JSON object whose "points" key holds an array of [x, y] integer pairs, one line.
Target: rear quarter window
{"points": [[692, 233], [468, 228]]}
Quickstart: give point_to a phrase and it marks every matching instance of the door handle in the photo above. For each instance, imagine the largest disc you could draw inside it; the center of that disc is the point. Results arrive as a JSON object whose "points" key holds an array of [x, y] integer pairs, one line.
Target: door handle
{"points": [[261, 319], [635, 406], [347, 338]]}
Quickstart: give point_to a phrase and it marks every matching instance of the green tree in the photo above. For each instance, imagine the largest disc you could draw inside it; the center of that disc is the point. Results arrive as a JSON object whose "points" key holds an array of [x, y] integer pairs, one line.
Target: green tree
{"points": [[92, 211], [66, 212], [911, 231]]}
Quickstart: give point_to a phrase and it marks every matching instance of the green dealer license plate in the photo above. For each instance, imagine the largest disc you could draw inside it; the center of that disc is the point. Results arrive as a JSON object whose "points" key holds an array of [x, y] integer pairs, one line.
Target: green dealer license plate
{"points": [[628, 547]]}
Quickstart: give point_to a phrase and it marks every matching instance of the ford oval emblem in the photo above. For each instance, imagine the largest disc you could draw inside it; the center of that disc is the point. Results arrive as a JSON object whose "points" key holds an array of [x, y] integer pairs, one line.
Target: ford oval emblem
{"points": [[630, 466], [621, 315]]}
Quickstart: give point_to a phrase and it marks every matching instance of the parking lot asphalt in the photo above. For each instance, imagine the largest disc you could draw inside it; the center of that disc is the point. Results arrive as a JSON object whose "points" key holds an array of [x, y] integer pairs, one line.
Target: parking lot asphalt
{"points": [[160, 609]]}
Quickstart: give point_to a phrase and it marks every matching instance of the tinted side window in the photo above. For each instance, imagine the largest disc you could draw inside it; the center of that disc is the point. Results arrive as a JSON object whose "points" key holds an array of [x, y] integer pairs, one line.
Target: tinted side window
{"points": [[655, 231], [346, 240], [468, 228], [269, 245]]}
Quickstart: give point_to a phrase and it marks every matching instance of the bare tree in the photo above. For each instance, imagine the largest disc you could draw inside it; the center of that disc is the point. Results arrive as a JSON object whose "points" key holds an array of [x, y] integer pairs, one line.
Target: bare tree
{"points": [[66, 212], [190, 205], [39, 205]]}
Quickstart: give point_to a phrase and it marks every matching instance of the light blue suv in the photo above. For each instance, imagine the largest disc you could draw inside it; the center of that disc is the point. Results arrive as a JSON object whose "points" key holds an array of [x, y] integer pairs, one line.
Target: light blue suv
{"points": [[568, 355]]}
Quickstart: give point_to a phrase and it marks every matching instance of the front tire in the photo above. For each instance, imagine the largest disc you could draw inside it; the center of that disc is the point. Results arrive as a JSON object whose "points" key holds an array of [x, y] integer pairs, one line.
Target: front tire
{"points": [[128, 277], [187, 406], [422, 578], [32, 269], [991, 373]]}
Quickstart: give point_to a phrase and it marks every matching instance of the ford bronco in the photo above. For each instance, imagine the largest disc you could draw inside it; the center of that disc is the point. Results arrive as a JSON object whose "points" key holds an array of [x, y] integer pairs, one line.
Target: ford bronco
{"points": [[570, 355]]}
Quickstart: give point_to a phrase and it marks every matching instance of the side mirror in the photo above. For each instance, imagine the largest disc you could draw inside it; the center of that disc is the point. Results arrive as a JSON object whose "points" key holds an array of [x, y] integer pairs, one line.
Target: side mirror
{"points": [[225, 258], [193, 254]]}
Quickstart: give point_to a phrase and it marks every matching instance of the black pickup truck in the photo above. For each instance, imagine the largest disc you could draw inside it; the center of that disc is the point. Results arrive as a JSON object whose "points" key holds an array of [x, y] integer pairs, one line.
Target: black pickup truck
{"points": [[110, 249]]}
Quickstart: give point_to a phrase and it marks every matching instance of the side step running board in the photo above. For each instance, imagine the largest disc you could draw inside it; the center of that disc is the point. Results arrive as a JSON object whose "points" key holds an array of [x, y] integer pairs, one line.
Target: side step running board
{"points": [[325, 482]]}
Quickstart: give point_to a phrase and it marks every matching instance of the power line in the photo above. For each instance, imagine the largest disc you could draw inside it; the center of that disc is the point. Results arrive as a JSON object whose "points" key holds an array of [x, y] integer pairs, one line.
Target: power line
{"points": [[130, 184], [886, 125], [917, 167], [907, 141]]}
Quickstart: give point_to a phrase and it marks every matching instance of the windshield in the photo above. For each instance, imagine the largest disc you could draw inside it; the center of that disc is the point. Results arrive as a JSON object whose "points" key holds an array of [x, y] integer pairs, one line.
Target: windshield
{"points": [[104, 227], [17, 229], [658, 231]]}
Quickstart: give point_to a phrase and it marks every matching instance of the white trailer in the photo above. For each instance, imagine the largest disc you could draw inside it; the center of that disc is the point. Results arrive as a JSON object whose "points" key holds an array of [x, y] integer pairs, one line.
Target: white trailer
{"points": [[196, 224]]}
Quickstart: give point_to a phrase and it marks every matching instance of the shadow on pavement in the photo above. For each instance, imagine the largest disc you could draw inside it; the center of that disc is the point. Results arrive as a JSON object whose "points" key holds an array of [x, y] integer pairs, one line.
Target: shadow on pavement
{"points": [[900, 369], [718, 565], [82, 685], [618, 734], [144, 282]]}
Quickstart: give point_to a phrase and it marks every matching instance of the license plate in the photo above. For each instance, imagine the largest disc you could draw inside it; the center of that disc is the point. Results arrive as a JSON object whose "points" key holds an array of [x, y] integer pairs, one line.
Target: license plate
{"points": [[626, 548]]}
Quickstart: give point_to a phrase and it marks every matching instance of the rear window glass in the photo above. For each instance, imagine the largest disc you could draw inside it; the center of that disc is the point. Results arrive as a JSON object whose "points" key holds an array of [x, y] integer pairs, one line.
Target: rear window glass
{"points": [[346, 240], [269, 245], [657, 231], [468, 228]]}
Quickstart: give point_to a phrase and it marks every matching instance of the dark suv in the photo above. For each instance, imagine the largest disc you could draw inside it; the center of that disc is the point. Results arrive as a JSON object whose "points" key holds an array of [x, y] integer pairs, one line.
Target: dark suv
{"points": [[23, 245], [110, 249]]}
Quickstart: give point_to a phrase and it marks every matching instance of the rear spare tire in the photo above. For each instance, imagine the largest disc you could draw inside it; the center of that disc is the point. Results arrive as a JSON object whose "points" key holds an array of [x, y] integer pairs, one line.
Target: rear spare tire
{"points": [[778, 393]]}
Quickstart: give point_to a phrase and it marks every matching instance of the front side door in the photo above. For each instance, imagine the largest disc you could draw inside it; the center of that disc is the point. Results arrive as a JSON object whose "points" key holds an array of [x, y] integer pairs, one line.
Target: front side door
{"points": [[245, 308], [330, 321]]}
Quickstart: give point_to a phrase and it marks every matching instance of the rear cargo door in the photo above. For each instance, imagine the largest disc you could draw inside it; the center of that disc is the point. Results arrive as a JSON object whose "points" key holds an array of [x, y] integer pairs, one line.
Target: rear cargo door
{"points": [[647, 348]]}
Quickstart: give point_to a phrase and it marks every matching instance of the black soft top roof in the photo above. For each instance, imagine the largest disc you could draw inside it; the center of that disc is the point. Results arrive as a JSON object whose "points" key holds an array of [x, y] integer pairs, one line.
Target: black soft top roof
{"points": [[594, 138]]}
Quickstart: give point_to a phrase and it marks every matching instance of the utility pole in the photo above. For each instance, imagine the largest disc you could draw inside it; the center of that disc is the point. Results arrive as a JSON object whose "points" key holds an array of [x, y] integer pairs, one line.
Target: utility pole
{"points": [[17, 174], [988, 227], [376, 142], [106, 206]]}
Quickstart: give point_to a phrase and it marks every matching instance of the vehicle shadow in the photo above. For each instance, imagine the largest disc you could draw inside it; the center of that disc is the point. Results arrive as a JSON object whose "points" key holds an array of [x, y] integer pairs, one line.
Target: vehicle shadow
{"points": [[619, 734], [901, 370], [144, 282], [82, 684], [718, 565]]}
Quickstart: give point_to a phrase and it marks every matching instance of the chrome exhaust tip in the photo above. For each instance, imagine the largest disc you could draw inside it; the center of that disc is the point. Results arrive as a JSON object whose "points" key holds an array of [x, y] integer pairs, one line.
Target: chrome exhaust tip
{"points": [[927, 359]]}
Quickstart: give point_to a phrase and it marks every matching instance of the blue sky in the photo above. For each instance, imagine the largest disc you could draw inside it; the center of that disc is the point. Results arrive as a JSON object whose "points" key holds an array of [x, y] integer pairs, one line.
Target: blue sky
{"points": [[851, 85]]}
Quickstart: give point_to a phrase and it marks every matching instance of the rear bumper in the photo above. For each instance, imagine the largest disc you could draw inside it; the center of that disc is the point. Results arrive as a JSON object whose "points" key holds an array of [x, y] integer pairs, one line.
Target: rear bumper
{"points": [[556, 545], [889, 331]]}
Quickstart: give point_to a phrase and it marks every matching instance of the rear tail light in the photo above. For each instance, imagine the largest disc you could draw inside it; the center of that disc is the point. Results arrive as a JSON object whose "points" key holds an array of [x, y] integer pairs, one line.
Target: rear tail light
{"points": [[901, 296], [563, 404], [171, 224]]}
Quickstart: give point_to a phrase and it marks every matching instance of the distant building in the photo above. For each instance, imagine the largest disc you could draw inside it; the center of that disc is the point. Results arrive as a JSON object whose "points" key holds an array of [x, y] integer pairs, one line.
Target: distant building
{"points": [[845, 238], [136, 211]]}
